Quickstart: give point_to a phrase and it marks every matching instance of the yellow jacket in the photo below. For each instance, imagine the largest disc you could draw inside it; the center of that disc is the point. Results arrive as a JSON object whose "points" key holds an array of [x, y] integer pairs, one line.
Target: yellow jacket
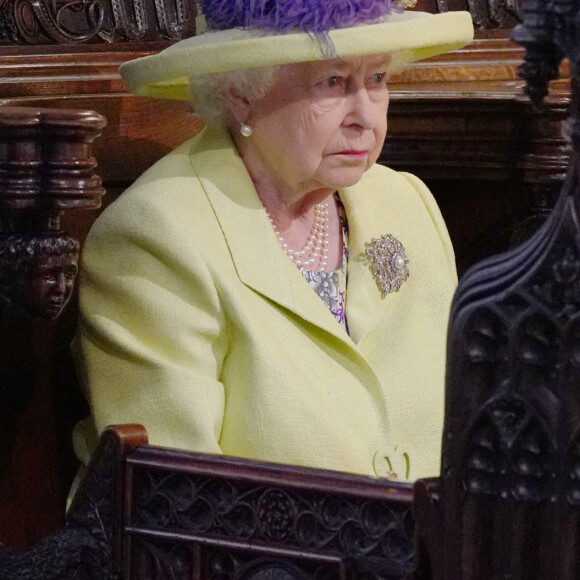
{"points": [[195, 324]]}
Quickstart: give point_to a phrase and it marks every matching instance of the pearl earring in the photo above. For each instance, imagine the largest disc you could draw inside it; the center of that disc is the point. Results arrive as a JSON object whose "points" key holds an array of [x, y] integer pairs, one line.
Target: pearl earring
{"points": [[246, 130]]}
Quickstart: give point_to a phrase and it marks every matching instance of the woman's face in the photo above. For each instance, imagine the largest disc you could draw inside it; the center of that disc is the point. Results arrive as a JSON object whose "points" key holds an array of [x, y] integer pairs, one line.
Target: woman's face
{"points": [[320, 126]]}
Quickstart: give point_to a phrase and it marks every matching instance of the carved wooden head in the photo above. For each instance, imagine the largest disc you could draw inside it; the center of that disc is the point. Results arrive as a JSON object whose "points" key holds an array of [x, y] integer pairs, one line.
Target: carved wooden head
{"points": [[37, 273]]}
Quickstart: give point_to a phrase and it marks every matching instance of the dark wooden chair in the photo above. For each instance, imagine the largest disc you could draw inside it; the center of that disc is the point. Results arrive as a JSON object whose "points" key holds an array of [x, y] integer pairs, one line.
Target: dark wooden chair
{"points": [[506, 504]]}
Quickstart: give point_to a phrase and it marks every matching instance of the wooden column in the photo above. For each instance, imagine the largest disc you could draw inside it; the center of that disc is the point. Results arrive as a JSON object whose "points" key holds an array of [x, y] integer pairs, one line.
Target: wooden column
{"points": [[46, 169]]}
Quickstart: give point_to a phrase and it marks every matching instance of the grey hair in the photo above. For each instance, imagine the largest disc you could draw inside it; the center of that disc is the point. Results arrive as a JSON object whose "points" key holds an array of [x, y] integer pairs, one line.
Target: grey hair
{"points": [[399, 60], [209, 93]]}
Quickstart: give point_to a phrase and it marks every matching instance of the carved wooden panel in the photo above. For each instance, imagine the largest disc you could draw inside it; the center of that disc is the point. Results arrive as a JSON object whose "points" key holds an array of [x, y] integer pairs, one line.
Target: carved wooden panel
{"points": [[40, 22], [81, 21], [486, 13], [233, 519], [145, 512], [512, 410]]}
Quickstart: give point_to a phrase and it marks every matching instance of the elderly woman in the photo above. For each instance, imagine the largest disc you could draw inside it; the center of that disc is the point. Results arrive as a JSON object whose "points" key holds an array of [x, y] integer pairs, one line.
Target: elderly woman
{"points": [[266, 290]]}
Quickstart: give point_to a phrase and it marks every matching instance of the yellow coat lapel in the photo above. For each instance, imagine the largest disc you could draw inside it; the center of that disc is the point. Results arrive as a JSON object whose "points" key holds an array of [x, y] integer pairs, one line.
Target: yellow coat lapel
{"points": [[363, 298]]}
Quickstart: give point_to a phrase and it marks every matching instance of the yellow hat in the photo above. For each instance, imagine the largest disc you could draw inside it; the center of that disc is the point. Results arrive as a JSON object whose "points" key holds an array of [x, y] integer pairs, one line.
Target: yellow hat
{"points": [[419, 35]]}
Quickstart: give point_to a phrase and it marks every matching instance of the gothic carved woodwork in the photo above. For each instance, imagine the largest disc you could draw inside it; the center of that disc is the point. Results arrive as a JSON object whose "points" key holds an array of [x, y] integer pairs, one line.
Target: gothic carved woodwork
{"points": [[508, 493], [46, 168], [82, 21], [111, 21], [233, 519], [146, 512], [486, 13], [512, 412]]}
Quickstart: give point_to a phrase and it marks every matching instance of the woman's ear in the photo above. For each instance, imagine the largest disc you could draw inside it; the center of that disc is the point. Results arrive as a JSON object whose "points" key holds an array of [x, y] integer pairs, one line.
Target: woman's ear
{"points": [[239, 105]]}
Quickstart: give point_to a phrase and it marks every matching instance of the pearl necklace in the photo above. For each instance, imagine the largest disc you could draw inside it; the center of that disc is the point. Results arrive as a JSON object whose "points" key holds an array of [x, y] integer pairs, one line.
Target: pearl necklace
{"points": [[315, 250]]}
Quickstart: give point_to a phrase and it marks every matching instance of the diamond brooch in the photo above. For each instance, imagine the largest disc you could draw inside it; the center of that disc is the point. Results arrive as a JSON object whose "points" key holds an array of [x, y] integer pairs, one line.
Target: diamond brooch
{"points": [[388, 263]]}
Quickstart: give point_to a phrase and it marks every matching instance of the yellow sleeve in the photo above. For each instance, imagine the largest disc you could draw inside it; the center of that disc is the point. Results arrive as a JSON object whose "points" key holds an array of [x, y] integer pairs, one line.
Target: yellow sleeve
{"points": [[152, 333]]}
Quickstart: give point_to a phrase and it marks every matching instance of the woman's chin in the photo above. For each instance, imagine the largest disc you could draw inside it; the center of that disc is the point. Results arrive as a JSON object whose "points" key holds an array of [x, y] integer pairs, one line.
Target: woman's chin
{"points": [[345, 178]]}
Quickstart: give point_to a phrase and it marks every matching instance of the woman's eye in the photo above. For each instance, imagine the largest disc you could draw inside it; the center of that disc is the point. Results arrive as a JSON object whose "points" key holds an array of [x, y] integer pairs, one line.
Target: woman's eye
{"points": [[332, 81], [380, 77]]}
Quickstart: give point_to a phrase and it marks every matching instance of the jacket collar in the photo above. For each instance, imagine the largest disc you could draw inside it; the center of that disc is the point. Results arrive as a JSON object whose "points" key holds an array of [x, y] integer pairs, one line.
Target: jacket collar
{"points": [[256, 252]]}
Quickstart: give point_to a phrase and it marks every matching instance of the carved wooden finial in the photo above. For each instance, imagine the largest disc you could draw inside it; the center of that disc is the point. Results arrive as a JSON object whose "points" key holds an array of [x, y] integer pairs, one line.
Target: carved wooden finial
{"points": [[547, 35]]}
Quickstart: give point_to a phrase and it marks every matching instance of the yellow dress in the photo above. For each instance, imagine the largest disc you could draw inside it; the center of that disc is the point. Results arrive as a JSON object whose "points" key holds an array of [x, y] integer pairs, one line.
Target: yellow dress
{"points": [[195, 324]]}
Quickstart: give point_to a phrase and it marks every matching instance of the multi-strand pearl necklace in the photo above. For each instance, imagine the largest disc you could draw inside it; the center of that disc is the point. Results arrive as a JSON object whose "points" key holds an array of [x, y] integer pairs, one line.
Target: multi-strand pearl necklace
{"points": [[315, 251]]}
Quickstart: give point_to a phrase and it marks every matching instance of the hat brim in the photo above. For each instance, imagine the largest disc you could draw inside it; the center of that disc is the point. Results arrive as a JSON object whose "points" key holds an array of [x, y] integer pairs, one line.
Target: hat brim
{"points": [[166, 74]]}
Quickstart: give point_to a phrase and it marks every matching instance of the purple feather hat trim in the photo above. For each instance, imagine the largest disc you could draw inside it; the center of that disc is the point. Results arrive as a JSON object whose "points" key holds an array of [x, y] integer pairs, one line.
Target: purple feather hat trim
{"points": [[315, 17]]}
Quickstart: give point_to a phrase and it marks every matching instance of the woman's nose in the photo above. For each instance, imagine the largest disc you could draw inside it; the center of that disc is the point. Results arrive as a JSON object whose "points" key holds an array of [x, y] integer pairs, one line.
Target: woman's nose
{"points": [[364, 110]]}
